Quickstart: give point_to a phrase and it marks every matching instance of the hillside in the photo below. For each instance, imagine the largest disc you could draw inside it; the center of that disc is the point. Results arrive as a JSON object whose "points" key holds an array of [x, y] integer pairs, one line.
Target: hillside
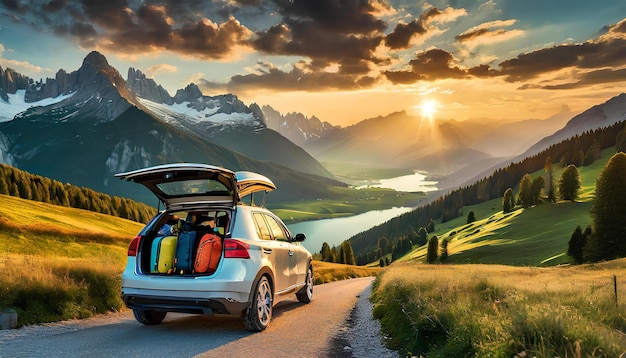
{"points": [[534, 236]]}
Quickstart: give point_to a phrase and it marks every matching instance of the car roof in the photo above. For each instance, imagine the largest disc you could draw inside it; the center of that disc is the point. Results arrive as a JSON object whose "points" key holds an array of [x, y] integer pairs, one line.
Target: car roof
{"points": [[181, 184]]}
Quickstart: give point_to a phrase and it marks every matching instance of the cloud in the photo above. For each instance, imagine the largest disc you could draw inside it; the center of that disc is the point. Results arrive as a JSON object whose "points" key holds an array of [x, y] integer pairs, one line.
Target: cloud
{"points": [[20, 66], [436, 64], [142, 27], [403, 33], [325, 31], [603, 76], [160, 68], [488, 33], [299, 78]]}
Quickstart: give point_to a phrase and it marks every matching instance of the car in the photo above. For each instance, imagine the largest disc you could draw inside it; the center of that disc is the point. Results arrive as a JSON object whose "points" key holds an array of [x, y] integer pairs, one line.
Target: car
{"points": [[252, 259]]}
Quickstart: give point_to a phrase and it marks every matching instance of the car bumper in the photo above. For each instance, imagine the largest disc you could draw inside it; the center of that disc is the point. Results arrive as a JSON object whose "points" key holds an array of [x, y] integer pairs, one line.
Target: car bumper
{"points": [[227, 291], [140, 300]]}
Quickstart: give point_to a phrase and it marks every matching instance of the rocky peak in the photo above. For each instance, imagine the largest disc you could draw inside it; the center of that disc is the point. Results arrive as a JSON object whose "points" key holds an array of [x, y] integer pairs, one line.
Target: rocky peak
{"points": [[96, 59], [11, 81], [147, 88], [188, 94]]}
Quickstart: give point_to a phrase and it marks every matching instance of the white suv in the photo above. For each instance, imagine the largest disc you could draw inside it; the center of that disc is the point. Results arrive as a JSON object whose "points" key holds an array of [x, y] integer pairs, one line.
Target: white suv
{"points": [[251, 260]]}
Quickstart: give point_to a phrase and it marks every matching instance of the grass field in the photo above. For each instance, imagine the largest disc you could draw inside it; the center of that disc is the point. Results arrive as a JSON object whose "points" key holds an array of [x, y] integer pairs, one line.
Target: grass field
{"points": [[503, 311]]}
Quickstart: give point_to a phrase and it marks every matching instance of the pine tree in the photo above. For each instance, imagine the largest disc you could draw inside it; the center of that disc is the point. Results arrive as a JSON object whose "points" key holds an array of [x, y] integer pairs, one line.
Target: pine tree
{"points": [[569, 184], [443, 257], [423, 236], [550, 173], [536, 188], [348, 253], [383, 245], [508, 203], [524, 197], [576, 245], [471, 217], [609, 212], [325, 252], [433, 249]]}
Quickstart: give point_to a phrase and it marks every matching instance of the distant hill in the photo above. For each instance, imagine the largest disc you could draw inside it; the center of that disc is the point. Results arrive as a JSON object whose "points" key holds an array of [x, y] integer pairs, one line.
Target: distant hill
{"points": [[448, 149]]}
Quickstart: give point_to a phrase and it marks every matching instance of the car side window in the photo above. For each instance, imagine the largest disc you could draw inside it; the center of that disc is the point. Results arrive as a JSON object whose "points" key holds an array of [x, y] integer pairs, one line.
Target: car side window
{"points": [[277, 230], [261, 227]]}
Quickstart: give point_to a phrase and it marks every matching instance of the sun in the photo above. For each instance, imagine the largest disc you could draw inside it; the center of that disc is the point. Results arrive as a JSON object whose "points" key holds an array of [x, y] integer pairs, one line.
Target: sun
{"points": [[429, 108]]}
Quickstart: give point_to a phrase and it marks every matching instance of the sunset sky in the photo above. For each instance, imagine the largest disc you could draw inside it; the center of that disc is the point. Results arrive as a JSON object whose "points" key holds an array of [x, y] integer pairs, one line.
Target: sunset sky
{"points": [[342, 60]]}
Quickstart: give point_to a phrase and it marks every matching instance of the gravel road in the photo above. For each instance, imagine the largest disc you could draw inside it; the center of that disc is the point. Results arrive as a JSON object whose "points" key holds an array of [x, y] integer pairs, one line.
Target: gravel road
{"points": [[337, 323]]}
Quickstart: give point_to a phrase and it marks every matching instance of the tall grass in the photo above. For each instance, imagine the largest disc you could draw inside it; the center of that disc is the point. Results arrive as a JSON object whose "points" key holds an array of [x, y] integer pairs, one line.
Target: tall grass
{"points": [[60, 263], [503, 311], [47, 289], [324, 272]]}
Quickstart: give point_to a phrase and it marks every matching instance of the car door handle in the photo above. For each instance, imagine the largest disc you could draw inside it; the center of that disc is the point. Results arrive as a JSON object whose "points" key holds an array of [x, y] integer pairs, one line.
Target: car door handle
{"points": [[291, 253], [267, 251]]}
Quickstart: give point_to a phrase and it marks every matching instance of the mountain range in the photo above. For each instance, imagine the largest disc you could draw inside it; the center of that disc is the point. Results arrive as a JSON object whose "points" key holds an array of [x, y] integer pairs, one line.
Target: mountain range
{"points": [[97, 125], [81, 127]]}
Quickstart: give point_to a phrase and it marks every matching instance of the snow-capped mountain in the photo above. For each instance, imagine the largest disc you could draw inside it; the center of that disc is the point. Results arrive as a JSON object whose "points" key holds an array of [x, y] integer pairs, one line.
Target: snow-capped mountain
{"points": [[224, 120], [94, 125], [297, 127]]}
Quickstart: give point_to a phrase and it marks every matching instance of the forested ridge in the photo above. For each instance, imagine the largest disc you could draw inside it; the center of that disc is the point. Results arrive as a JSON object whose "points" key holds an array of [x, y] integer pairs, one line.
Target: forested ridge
{"points": [[580, 150], [16, 182]]}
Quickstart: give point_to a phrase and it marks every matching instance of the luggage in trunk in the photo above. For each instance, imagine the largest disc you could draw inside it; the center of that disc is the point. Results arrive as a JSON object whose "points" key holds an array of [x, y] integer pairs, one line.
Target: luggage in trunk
{"points": [[208, 254], [185, 251], [162, 254]]}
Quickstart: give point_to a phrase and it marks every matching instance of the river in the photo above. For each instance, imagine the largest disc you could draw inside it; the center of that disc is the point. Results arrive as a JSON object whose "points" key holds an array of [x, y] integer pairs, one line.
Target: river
{"points": [[336, 231]]}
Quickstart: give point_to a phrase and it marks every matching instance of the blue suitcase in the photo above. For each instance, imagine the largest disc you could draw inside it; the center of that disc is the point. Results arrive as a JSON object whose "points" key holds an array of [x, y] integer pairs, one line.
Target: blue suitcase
{"points": [[185, 251]]}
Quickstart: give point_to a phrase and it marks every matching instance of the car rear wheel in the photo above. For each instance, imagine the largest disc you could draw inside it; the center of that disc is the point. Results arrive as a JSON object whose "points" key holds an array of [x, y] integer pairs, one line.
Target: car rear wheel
{"points": [[149, 318], [259, 312], [306, 293]]}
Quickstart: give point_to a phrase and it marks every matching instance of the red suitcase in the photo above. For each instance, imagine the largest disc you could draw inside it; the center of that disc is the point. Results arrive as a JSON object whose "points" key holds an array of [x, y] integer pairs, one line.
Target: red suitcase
{"points": [[208, 254]]}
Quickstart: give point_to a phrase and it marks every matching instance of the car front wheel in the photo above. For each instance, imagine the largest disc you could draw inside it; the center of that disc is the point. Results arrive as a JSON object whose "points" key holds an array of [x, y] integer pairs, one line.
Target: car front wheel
{"points": [[306, 293], [149, 318], [259, 312]]}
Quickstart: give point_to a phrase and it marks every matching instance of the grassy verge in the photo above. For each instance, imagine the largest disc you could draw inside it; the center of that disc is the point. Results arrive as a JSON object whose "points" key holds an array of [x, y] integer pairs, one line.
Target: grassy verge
{"points": [[324, 272], [503, 311]]}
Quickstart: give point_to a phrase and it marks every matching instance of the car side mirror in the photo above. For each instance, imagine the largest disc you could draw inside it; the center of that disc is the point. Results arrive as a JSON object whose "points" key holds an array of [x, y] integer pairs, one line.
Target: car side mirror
{"points": [[299, 237]]}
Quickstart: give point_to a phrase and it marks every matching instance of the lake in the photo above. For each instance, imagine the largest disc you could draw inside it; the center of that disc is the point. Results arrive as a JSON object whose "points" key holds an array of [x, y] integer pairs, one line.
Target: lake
{"points": [[336, 231], [411, 183]]}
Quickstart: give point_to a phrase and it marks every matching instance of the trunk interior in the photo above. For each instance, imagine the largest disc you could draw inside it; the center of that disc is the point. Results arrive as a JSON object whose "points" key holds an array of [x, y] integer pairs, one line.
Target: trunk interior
{"points": [[184, 243]]}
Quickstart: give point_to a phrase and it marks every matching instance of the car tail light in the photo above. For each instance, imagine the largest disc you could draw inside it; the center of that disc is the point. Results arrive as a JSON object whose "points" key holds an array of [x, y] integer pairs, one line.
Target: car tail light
{"points": [[236, 249], [132, 249]]}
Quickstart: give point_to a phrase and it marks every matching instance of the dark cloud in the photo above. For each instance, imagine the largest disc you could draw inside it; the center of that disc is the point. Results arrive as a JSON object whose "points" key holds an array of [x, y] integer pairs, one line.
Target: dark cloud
{"points": [[401, 35], [602, 76], [13, 5], [121, 26], [470, 35], [298, 79], [429, 66], [332, 30], [588, 55]]}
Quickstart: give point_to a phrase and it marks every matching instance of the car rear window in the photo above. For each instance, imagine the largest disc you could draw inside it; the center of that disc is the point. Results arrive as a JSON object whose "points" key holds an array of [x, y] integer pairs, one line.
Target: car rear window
{"points": [[194, 187]]}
